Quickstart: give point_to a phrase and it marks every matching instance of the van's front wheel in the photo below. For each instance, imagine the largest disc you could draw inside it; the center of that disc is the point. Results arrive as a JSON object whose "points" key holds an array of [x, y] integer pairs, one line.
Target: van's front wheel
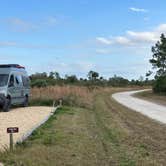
{"points": [[7, 105]]}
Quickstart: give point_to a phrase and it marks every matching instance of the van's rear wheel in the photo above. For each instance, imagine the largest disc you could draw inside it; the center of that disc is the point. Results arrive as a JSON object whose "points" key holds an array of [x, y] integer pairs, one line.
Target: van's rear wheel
{"points": [[7, 105], [26, 101]]}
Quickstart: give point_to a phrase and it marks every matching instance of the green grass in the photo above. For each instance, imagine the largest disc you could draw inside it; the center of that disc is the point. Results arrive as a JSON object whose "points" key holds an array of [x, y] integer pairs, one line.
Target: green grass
{"points": [[45, 137], [65, 137], [107, 134]]}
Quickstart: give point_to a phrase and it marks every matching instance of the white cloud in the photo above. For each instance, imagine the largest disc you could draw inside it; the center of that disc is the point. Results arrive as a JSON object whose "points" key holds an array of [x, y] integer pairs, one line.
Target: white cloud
{"points": [[132, 38], [161, 28], [104, 40], [122, 40], [21, 25], [142, 36], [134, 9]]}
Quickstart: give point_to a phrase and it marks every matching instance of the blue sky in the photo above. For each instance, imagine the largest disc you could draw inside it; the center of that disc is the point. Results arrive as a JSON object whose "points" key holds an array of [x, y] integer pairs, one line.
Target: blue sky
{"points": [[75, 36]]}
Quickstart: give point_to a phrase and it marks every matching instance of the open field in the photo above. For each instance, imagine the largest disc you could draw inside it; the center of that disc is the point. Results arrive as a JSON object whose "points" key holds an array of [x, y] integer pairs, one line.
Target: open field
{"points": [[71, 95], [106, 134], [150, 96]]}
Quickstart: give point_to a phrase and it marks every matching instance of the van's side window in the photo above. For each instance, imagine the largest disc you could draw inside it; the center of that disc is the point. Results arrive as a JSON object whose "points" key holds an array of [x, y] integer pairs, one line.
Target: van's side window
{"points": [[25, 81], [18, 79], [17, 82], [11, 81]]}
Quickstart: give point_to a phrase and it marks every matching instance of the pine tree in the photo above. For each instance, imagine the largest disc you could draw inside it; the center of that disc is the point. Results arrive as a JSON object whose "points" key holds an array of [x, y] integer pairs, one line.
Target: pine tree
{"points": [[158, 60]]}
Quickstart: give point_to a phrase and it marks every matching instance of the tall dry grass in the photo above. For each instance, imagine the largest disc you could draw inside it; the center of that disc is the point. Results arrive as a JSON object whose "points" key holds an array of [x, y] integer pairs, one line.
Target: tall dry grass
{"points": [[70, 95]]}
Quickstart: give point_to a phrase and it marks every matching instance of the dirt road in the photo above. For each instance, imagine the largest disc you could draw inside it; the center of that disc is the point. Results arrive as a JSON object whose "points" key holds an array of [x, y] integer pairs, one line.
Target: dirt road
{"points": [[24, 118], [152, 110]]}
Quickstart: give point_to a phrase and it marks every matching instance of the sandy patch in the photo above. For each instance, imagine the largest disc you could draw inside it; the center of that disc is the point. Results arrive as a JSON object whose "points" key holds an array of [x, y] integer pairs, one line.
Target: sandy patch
{"points": [[24, 118]]}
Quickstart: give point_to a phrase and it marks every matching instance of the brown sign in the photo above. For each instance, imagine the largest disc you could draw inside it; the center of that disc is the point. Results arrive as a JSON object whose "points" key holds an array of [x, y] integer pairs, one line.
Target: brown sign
{"points": [[12, 130]]}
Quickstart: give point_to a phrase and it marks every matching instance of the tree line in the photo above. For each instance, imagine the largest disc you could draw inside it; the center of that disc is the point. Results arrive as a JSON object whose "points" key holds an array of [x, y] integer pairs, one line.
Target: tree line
{"points": [[93, 79]]}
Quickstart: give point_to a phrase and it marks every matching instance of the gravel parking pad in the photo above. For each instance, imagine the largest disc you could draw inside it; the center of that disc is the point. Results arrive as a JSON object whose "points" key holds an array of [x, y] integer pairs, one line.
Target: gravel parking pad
{"points": [[25, 118]]}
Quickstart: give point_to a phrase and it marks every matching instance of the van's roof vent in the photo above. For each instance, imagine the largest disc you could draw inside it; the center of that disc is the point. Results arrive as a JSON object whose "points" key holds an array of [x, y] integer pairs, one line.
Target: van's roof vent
{"points": [[12, 65]]}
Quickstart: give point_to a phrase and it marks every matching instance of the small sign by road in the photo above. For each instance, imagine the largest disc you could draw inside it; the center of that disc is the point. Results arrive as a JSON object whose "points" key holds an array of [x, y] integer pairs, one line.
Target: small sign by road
{"points": [[12, 130]]}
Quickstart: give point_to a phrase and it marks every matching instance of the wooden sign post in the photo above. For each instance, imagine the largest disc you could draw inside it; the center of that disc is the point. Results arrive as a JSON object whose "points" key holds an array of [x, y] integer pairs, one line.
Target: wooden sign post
{"points": [[12, 130]]}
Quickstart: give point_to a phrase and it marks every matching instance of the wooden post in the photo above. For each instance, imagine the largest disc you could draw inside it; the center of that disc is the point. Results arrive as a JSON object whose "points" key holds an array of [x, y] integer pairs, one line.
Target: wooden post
{"points": [[11, 141]]}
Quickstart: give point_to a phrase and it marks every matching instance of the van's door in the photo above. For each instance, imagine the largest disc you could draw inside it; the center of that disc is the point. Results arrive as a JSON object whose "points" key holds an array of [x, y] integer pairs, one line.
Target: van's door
{"points": [[19, 89], [11, 88], [26, 84]]}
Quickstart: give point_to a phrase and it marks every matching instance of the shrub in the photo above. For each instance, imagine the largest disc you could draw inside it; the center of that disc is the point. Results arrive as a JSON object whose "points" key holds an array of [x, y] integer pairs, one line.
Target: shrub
{"points": [[39, 83], [160, 85]]}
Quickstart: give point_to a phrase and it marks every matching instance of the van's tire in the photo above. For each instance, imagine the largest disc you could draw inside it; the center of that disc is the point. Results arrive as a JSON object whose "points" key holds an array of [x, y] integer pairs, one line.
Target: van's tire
{"points": [[7, 105], [26, 101]]}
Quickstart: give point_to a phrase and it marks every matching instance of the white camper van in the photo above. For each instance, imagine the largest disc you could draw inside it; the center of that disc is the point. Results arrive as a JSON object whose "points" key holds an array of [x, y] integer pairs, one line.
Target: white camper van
{"points": [[14, 86]]}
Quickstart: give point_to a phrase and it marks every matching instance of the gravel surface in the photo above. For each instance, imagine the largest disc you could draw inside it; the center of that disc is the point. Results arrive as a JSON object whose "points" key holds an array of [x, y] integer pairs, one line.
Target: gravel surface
{"points": [[25, 118], [152, 110]]}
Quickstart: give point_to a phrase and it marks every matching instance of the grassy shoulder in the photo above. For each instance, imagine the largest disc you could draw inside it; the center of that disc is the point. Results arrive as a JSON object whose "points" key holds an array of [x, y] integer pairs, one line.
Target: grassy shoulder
{"points": [[106, 134], [153, 97], [54, 143]]}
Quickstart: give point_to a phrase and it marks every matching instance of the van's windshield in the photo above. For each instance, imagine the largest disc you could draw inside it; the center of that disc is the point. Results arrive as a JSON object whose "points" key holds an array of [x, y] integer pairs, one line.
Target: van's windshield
{"points": [[3, 79]]}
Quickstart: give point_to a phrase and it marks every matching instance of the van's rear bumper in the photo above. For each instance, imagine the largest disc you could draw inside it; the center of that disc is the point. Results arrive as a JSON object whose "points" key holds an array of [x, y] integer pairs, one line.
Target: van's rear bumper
{"points": [[2, 99]]}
